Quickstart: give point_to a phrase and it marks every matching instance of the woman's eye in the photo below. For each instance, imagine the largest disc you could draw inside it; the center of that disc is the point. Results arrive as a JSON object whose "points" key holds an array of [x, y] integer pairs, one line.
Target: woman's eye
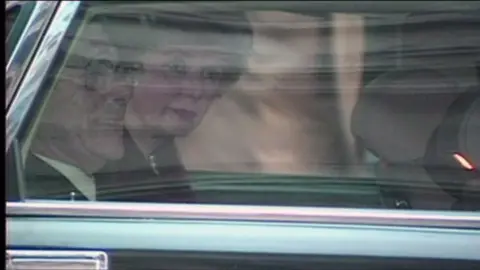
{"points": [[223, 76], [176, 67], [125, 68], [213, 74]]}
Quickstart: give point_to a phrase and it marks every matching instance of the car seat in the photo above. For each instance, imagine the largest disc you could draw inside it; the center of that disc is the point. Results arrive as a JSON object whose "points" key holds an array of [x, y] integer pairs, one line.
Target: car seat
{"points": [[399, 114], [452, 158]]}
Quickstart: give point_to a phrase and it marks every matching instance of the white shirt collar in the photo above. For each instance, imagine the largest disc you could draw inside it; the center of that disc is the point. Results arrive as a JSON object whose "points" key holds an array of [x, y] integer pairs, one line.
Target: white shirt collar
{"points": [[83, 182]]}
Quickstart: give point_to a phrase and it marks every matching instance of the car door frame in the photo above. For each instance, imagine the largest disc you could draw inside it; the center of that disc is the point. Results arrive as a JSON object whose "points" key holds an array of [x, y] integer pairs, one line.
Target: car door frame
{"points": [[23, 40]]}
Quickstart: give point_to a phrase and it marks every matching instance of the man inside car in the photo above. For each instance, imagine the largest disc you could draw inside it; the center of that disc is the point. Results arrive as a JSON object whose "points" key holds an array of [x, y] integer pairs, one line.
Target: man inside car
{"points": [[109, 127], [81, 126]]}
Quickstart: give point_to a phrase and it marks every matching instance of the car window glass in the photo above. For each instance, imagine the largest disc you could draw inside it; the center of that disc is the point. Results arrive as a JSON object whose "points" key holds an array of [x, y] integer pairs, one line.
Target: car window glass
{"points": [[11, 15], [10, 18], [264, 107], [25, 31]]}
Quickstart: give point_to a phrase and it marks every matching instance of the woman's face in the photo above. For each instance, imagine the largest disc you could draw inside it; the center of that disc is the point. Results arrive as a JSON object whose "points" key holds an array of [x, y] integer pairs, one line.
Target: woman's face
{"points": [[178, 85]]}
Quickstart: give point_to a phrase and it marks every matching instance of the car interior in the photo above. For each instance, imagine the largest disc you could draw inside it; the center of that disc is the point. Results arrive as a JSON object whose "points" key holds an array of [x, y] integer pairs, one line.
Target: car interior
{"points": [[416, 119], [419, 148], [417, 113]]}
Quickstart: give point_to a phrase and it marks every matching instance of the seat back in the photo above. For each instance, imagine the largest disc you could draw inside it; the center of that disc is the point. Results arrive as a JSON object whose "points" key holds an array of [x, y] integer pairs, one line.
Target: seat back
{"points": [[453, 152], [399, 112]]}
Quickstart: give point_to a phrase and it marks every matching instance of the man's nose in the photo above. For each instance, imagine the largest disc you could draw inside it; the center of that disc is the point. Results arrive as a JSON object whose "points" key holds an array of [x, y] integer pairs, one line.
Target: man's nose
{"points": [[120, 90], [117, 98]]}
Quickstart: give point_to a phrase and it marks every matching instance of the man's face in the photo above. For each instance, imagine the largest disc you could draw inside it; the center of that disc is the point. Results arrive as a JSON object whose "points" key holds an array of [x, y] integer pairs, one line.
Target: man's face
{"points": [[85, 115], [180, 81], [109, 88]]}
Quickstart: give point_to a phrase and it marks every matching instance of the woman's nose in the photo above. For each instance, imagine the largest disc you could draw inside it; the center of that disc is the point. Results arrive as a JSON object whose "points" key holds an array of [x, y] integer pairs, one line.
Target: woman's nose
{"points": [[194, 85], [193, 90]]}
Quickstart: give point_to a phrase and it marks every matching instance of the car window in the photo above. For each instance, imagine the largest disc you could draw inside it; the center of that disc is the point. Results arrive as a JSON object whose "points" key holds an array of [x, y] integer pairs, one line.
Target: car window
{"points": [[25, 23], [11, 15], [12, 11], [304, 105]]}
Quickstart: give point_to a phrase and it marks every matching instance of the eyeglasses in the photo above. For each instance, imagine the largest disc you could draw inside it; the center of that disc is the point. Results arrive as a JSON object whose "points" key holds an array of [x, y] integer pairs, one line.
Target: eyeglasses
{"points": [[177, 69], [100, 73]]}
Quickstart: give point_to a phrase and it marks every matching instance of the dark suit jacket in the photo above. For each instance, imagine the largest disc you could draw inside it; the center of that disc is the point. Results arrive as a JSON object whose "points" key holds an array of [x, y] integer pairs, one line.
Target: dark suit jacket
{"points": [[44, 182], [135, 178], [132, 178]]}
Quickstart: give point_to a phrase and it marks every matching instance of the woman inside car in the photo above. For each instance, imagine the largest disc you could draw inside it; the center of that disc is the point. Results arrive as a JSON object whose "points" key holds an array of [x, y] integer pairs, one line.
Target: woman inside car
{"points": [[188, 65]]}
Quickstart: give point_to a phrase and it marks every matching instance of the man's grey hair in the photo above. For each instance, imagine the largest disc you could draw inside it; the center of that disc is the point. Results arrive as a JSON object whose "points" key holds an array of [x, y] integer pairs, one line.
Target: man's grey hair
{"points": [[148, 30], [132, 34]]}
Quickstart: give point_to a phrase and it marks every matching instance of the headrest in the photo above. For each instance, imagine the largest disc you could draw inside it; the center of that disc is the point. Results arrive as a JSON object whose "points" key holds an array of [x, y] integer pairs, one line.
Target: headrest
{"points": [[459, 132], [453, 154], [397, 113]]}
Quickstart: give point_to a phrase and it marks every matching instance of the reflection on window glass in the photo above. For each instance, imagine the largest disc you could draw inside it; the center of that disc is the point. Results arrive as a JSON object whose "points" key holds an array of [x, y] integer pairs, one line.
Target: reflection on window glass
{"points": [[263, 107], [11, 15]]}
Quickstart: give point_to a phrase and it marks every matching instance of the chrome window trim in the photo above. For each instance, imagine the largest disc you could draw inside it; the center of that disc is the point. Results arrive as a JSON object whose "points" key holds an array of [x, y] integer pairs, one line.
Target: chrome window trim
{"points": [[98, 258], [37, 70], [320, 215], [35, 27], [281, 238]]}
